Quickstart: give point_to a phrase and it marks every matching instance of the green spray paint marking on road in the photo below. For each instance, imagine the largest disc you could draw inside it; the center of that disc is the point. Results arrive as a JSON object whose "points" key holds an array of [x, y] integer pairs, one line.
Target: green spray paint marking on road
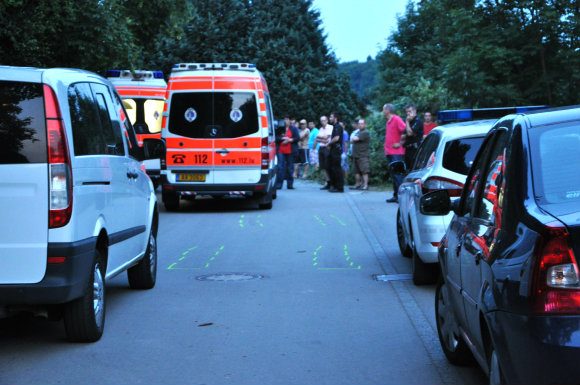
{"points": [[315, 259], [241, 221], [259, 222], [182, 258], [319, 220], [338, 219], [214, 256]]}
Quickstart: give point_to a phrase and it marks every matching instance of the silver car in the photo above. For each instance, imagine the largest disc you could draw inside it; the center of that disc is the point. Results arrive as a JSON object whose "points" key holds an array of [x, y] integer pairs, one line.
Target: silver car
{"points": [[443, 161]]}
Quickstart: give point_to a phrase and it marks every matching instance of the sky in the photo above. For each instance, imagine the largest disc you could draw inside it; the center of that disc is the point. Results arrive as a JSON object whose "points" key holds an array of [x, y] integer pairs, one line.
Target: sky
{"points": [[357, 29]]}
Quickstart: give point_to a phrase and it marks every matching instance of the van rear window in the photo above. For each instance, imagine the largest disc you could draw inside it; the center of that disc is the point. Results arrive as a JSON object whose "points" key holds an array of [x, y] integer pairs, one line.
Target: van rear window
{"points": [[22, 123], [213, 115], [459, 154]]}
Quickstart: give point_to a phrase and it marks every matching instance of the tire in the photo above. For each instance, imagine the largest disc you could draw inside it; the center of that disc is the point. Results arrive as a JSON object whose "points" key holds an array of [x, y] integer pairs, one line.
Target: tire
{"points": [[143, 275], [171, 202], [265, 201], [403, 247], [84, 318], [495, 375], [453, 345], [423, 273]]}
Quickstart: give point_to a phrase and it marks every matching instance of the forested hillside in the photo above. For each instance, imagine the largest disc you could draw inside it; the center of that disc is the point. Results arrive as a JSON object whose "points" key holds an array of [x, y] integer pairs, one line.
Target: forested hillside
{"points": [[283, 38], [363, 76]]}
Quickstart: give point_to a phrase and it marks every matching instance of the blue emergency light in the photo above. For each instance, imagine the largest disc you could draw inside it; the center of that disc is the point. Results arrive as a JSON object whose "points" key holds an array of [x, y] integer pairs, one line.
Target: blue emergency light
{"points": [[158, 74], [447, 116], [113, 74]]}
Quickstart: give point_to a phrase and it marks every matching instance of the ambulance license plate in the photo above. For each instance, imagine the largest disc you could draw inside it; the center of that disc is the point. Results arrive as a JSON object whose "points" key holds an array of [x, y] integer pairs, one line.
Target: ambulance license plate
{"points": [[191, 177]]}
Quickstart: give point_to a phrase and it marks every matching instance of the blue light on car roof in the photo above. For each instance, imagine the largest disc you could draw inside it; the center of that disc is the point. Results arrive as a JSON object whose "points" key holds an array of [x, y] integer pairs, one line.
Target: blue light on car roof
{"points": [[113, 74], [482, 113], [158, 74]]}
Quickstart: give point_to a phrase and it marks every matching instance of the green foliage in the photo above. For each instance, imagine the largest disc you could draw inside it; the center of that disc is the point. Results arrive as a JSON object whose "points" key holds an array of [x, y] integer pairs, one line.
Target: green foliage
{"points": [[489, 53], [284, 39], [363, 76]]}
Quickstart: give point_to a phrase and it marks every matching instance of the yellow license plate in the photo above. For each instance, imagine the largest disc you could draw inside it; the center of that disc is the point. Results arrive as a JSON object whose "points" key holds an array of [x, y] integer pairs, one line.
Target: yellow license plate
{"points": [[191, 177]]}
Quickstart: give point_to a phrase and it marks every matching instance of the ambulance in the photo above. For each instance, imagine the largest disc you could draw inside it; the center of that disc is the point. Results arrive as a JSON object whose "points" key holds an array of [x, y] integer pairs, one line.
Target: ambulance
{"points": [[143, 94], [218, 129]]}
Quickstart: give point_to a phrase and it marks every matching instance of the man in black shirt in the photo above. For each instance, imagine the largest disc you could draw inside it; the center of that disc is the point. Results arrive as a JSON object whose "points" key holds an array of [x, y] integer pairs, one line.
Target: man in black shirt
{"points": [[335, 145], [413, 135]]}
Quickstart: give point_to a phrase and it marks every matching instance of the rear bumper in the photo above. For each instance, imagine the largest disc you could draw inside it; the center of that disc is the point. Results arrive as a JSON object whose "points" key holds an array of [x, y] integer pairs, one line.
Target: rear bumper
{"points": [[538, 349], [62, 282], [260, 187]]}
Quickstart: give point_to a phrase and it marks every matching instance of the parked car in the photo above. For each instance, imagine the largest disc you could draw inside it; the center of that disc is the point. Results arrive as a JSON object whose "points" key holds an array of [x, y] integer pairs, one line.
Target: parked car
{"points": [[509, 293], [79, 207], [442, 162]]}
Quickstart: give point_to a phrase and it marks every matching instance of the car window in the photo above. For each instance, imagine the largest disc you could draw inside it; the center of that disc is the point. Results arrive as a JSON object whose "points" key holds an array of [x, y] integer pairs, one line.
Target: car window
{"points": [[145, 114], [555, 153], [459, 154], [473, 180], [213, 114], [270, 116], [490, 201], [111, 132], [22, 123], [127, 128], [86, 127], [426, 153]]}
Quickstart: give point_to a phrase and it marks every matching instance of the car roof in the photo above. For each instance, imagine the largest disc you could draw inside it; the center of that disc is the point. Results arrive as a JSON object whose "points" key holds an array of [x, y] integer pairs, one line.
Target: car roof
{"points": [[465, 129], [553, 115], [45, 75]]}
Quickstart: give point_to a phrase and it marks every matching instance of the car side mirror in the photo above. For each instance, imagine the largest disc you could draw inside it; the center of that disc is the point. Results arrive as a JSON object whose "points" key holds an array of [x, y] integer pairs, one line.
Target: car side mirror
{"points": [[397, 167], [153, 148], [435, 203]]}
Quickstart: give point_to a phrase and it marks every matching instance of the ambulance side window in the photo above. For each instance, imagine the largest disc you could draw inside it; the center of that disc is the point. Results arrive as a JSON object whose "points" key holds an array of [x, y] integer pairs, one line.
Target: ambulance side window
{"points": [[270, 116]]}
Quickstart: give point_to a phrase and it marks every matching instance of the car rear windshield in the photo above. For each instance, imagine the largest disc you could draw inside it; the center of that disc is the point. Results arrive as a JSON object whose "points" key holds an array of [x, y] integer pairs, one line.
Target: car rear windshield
{"points": [[556, 164], [22, 123], [459, 154], [213, 115]]}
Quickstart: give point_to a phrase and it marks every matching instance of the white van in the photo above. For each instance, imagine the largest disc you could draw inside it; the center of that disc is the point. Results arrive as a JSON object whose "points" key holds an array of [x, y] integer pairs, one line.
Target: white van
{"points": [[77, 207], [218, 129]]}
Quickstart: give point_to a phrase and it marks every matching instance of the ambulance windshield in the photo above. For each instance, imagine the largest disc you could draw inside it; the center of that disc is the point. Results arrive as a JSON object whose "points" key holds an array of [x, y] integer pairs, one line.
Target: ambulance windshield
{"points": [[213, 115]]}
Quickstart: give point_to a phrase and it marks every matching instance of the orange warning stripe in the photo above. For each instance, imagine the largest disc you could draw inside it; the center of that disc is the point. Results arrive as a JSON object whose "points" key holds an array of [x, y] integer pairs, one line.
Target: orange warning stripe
{"points": [[141, 137]]}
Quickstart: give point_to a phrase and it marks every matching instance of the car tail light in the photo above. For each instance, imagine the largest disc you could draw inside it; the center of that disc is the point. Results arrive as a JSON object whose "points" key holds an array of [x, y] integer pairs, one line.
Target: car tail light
{"points": [[439, 183], [265, 154], [60, 206], [556, 279]]}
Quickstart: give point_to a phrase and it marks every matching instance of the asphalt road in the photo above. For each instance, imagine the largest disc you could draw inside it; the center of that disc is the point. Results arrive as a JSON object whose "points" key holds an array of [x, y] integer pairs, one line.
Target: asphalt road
{"points": [[246, 296]]}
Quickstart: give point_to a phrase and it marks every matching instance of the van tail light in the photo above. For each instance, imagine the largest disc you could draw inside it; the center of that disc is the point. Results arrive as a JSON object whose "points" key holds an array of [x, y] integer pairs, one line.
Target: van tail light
{"points": [[439, 183], [60, 175], [556, 284], [265, 154]]}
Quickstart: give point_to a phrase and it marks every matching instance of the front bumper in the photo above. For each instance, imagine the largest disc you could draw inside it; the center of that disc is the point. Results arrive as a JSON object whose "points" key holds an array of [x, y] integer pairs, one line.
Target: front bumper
{"points": [[62, 282]]}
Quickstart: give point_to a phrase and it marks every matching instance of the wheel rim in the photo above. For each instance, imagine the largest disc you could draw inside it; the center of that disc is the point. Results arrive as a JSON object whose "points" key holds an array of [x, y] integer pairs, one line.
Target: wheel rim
{"points": [[98, 295], [152, 254], [446, 320], [494, 372]]}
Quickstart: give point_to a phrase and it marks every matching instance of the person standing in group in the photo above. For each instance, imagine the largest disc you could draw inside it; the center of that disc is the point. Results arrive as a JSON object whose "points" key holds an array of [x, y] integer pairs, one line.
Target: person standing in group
{"points": [[413, 135], [287, 150], [344, 155], [313, 145], [334, 169], [361, 154], [394, 150], [323, 139], [302, 157], [428, 123]]}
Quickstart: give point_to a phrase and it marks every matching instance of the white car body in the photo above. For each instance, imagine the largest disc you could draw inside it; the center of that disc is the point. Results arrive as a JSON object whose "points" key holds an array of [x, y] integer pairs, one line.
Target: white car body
{"points": [[77, 222], [419, 234]]}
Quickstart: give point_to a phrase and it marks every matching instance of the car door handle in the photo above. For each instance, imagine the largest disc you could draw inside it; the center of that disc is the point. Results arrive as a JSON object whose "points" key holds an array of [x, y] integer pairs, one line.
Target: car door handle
{"points": [[478, 257], [132, 175], [223, 151]]}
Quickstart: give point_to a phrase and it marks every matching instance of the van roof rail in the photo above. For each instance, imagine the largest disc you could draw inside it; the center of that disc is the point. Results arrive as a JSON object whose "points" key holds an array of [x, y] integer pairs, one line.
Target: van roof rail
{"points": [[447, 116], [214, 67], [136, 75]]}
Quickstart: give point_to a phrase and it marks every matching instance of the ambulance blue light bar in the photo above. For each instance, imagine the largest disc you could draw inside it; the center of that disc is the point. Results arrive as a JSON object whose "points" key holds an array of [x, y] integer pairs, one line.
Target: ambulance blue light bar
{"points": [[137, 75], [214, 67], [113, 74], [447, 116]]}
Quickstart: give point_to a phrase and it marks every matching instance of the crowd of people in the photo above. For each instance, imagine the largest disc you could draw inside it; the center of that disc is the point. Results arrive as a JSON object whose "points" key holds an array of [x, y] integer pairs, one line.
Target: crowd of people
{"points": [[303, 147]]}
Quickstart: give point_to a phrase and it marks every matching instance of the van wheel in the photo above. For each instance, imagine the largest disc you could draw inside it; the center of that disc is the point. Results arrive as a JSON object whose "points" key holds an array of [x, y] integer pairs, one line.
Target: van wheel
{"points": [[143, 274], [171, 202], [265, 201], [84, 318]]}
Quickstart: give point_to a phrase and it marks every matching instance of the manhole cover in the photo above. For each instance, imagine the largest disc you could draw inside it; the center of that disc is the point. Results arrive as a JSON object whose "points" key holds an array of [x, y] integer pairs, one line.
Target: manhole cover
{"points": [[229, 277]]}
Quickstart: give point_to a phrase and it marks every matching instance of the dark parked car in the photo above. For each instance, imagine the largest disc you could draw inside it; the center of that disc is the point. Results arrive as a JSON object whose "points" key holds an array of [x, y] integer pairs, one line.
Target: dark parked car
{"points": [[509, 293]]}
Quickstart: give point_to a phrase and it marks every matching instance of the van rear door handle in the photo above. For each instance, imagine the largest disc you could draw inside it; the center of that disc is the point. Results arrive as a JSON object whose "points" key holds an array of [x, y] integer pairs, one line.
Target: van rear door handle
{"points": [[223, 151]]}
